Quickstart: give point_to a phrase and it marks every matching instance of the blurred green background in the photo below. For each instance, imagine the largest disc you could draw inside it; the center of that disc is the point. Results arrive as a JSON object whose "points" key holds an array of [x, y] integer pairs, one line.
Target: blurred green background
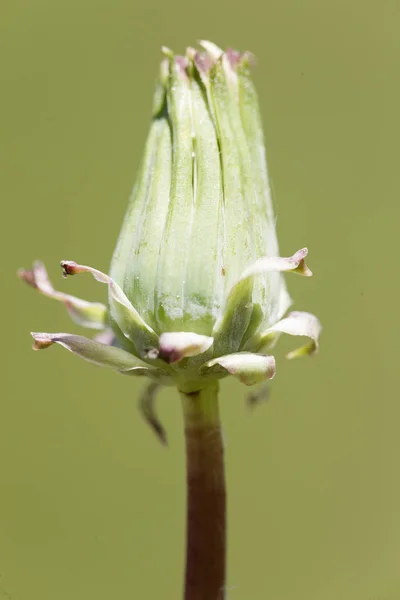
{"points": [[91, 506]]}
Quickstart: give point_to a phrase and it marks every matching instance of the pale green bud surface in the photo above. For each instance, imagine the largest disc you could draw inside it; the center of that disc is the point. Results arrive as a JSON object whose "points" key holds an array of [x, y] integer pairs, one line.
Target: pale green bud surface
{"points": [[196, 286]]}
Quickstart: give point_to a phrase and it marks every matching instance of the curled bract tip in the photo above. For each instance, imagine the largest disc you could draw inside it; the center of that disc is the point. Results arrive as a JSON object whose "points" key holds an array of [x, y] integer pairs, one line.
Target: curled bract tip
{"points": [[212, 49], [41, 341], [28, 275], [302, 268], [69, 267], [92, 315], [265, 264]]}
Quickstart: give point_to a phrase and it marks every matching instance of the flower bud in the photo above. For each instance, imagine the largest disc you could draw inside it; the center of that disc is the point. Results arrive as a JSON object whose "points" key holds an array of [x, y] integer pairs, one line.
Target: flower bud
{"points": [[201, 209], [196, 288]]}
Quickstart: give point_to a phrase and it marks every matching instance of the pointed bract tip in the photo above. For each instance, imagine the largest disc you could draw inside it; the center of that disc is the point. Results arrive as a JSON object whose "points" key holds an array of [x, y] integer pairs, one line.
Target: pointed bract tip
{"points": [[87, 314], [36, 277], [167, 52], [212, 49], [69, 267], [27, 276], [191, 53], [41, 341], [302, 268], [300, 254], [164, 74]]}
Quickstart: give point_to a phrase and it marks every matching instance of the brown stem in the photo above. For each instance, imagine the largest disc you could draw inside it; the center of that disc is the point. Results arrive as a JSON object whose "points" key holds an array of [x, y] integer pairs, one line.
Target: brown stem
{"points": [[206, 496]]}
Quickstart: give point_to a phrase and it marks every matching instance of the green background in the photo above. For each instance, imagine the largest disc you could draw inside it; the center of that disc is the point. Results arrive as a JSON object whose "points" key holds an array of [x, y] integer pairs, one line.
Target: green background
{"points": [[91, 506]]}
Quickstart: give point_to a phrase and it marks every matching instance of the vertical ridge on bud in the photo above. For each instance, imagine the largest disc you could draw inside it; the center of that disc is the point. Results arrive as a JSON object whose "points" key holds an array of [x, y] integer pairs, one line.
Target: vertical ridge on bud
{"points": [[273, 283], [125, 242], [236, 215], [141, 269], [174, 245], [238, 191], [124, 269], [203, 290]]}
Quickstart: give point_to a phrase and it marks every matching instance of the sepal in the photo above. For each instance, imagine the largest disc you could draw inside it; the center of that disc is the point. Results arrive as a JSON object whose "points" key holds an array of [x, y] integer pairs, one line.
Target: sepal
{"points": [[265, 264], [92, 315], [125, 315], [92, 351], [230, 328], [296, 323], [148, 412], [176, 345], [249, 368]]}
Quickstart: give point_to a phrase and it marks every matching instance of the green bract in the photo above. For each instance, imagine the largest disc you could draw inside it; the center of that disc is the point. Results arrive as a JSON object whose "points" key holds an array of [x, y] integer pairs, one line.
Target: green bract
{"points": [[196, 287]]}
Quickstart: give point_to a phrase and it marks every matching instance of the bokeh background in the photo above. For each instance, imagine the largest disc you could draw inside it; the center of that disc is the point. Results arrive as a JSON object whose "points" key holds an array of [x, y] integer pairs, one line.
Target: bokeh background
{"points": [[91, 506]]}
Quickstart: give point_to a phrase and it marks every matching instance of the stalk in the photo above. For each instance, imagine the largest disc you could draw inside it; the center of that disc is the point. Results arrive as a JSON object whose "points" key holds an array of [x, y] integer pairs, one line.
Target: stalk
{"points": [[206, 496]]}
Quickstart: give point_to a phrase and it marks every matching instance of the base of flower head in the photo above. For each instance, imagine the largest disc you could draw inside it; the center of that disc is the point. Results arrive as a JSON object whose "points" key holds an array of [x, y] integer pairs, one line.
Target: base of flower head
{"points": [[178, 358], [184, 359]]}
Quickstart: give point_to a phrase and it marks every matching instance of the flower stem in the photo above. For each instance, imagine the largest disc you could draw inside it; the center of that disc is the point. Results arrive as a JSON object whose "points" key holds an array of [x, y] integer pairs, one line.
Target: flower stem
{"points": [[206, 497]]}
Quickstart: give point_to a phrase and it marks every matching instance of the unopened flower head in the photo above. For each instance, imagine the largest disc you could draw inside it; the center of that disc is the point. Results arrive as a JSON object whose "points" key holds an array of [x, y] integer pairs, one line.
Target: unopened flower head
{"points": [[196, 287]]}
